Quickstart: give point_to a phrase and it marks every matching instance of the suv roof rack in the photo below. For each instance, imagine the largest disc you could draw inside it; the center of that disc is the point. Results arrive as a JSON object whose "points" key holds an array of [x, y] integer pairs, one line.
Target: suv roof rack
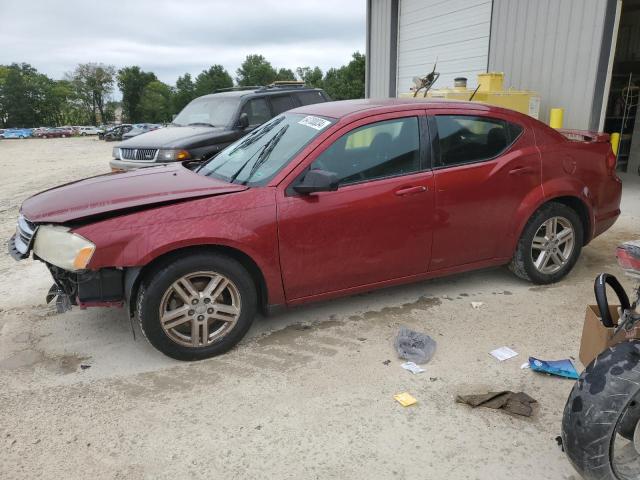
{"points": [[284, 84], [237, 88]]}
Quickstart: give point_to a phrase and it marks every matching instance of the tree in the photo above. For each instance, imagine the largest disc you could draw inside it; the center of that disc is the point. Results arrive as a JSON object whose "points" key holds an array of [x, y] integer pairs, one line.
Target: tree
{"points": [[185, 91], [255, 70], [155, 102], [285, 74], [93, 83], [347, 81], [215, 78], [131, 82], [310, 76]]}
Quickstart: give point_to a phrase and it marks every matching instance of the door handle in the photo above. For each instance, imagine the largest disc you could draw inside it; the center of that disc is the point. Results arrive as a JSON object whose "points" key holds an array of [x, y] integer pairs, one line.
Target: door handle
{"points": [[521, 171], [403, 192]]}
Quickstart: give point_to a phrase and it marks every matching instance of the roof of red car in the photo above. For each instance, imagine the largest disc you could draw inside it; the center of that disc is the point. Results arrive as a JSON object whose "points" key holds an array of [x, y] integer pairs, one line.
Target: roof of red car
{"points": [[347, 107]]}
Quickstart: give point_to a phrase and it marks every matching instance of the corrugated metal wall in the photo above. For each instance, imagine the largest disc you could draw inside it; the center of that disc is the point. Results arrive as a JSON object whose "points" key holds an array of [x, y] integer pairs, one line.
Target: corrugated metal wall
{"points": [[552, 47], [455, 32], [379, 48]]}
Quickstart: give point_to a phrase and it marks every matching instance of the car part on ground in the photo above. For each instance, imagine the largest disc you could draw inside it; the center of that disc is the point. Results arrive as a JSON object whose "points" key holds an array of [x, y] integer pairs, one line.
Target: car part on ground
{"points": [[350, 186], [211, 122]]}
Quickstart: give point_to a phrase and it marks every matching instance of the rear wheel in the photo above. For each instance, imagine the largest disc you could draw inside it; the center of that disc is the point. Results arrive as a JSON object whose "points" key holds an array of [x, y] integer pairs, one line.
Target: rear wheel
{"points": [[197, 306], [550, 244], [600, 428]]}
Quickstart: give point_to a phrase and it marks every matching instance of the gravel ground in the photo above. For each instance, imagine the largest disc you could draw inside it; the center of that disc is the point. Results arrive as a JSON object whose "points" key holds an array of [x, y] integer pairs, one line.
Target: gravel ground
{"points": [[307, 394]]}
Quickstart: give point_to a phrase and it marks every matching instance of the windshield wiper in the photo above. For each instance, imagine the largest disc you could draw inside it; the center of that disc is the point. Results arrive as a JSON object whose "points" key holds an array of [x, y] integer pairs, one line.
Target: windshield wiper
{"points": [[195, 124], [263, 154]]}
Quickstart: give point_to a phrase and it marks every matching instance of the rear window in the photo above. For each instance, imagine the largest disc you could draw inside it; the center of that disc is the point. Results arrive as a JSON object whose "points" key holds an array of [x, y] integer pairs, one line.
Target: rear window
{"points": [[310, 97], [281, 103]]}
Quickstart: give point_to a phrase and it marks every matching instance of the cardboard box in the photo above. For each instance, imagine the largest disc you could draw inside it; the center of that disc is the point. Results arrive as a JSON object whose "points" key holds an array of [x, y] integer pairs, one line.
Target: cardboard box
{"points": [[596, 337]]}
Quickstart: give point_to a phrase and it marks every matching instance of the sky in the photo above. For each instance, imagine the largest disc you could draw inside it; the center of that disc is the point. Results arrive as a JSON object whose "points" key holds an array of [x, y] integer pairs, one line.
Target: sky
{"points": [[170, 38]]}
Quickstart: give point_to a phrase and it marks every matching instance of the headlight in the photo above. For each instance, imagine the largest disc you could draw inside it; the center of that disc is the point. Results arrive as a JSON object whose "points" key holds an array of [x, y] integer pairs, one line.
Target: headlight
{"points": [[173, 155], [62, 248], [116, 153]]}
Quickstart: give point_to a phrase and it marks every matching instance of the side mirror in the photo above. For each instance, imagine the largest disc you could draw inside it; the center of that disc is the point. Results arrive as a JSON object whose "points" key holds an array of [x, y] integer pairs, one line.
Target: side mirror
{"points": [[243, 121], [317, 181]]}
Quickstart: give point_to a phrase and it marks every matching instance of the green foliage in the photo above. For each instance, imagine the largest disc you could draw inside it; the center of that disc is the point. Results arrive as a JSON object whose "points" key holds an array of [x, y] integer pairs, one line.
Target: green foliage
{"points": [[215, 78], [285, 74], [184, 92], [310, 76], [131, 82], [93, 82], [155, 102], [347, 81], [255, 70]]}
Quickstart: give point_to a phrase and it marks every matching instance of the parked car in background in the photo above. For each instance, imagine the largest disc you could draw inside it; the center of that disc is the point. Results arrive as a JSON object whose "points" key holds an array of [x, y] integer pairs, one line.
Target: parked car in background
{"points": [[84, 131], [139, 129], [115, 133], [323, 201], [56, 132], [17, 133], [209, 123]]}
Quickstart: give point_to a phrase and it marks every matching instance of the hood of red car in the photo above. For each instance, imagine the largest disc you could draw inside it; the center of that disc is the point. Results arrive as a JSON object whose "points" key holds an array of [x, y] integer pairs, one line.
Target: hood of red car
{"points": [[114, 192]]}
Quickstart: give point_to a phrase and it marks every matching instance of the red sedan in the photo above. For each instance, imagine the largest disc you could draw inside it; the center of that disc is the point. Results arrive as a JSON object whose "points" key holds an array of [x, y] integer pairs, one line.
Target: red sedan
{"points": [[325, 200]]}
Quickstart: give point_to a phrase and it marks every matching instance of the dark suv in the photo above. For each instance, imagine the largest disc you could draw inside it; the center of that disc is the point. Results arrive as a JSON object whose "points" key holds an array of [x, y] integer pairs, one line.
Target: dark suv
{"points": [[211, 122]]}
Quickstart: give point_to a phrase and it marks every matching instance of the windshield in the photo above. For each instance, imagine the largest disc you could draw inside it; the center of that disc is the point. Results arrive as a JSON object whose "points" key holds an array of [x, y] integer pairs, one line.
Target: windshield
{"points": [[213, 111], [260, 155]]}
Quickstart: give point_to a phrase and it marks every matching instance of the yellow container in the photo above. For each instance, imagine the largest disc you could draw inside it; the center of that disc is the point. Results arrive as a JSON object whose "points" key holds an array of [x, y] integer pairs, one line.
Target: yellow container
{"points": [[615, 142], [555, 118], [491, 82]]}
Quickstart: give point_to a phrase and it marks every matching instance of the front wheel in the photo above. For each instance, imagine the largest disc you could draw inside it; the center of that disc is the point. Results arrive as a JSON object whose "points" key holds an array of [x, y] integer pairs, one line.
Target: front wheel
{"points": [[550, 244], [197, 306], [600, 425]]}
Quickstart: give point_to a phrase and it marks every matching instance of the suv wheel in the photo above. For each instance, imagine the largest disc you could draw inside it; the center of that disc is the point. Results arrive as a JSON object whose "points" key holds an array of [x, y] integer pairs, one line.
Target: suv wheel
{"points": [[549, 246], [197, 306]]}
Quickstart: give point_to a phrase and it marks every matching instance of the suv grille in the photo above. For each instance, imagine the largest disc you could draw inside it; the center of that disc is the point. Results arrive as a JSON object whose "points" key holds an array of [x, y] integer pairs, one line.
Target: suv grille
{"points": [[139, 154], [24, 236]]}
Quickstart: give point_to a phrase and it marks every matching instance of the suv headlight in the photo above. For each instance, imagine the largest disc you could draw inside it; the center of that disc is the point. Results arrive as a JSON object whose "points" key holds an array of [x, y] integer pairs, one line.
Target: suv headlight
{"points": [[116, 153], [173, 155], [58, 246]]}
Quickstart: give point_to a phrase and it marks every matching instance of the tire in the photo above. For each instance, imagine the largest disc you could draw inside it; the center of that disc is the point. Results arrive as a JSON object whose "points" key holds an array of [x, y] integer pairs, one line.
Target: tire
{"points": [[523, 264], [84, 134], [157, 292], [597, 409]]}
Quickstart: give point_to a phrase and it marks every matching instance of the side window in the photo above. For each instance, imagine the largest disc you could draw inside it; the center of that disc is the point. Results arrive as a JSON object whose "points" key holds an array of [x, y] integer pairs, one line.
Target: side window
{"points": [[281, 103], [383, 149], [466, 139], [307, 98], [257, 110]]}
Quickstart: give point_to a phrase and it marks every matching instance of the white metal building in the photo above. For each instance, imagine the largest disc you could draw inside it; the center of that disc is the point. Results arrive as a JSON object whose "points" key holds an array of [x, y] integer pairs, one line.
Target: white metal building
{"points": [[580, 55]]}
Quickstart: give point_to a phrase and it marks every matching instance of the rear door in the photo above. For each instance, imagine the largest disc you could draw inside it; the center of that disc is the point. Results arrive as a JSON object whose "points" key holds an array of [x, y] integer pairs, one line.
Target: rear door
{"points": [[376, 227], [281, 103], [484, 166]]}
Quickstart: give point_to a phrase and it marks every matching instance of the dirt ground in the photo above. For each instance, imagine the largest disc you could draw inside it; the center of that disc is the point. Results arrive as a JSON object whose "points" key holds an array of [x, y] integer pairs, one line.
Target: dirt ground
{"points": [[306, 395]]}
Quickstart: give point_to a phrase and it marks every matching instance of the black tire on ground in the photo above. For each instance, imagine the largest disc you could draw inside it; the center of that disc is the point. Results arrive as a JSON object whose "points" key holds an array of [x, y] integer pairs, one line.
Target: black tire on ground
{"points": [[156, 282], [522, 263], [598, 399]]}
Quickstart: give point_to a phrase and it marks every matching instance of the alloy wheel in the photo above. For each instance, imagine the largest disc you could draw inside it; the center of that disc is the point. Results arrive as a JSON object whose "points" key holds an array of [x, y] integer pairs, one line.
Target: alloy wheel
{"points": [[200, 308], [552, 245]]}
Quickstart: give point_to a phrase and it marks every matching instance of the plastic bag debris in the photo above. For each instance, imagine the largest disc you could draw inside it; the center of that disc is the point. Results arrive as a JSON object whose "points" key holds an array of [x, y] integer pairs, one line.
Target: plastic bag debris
{"points": [[560, 368], [405, 399], [477, 305], [414, 346], [412, 367], [503, 353]]}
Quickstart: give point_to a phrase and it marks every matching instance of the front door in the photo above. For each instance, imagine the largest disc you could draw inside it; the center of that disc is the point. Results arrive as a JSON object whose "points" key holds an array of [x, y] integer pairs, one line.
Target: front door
{"points": [[375, 227], [484, 168]]}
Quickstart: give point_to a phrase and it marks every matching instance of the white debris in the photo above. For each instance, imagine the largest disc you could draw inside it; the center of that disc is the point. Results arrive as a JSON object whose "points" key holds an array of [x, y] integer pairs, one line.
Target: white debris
{"points": [[503, 353], [477, 305], [412, 367]]}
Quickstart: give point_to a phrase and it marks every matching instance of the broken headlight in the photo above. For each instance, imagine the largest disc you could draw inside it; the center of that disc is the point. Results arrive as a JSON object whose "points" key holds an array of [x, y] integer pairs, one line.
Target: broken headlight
{"points": [[58, 246]]}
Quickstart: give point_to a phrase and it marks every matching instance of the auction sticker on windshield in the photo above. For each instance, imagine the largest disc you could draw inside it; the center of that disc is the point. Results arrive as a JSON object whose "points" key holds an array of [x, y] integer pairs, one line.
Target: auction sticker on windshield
{"points": [[314, 122]]}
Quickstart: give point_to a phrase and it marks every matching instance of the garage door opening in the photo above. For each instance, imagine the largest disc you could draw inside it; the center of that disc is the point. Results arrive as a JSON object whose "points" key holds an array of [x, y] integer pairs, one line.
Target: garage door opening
{"points": [[624, 93]]}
